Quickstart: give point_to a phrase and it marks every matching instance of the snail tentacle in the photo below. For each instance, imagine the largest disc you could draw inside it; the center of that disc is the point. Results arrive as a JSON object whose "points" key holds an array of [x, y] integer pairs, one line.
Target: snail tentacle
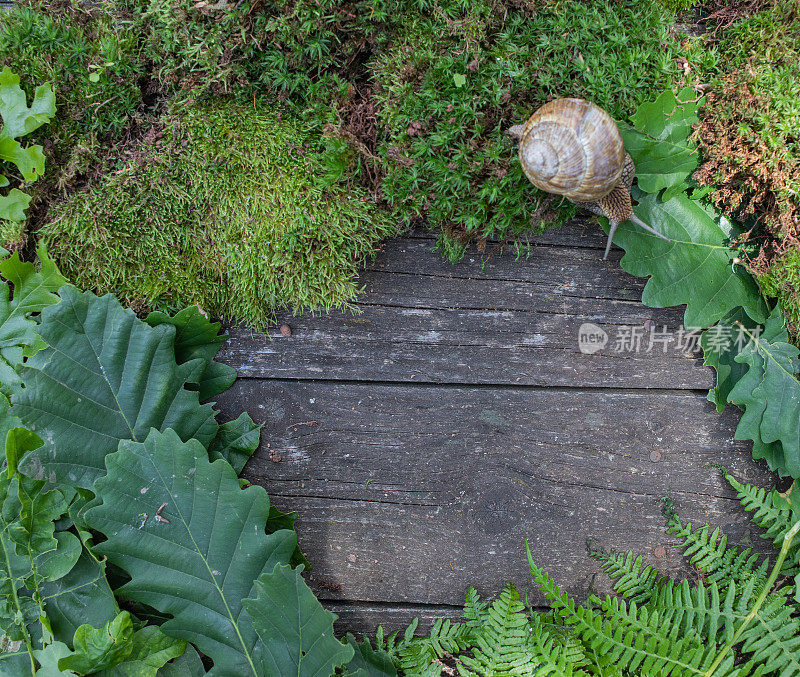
{"points": [[642, 224], [611, 232], [639, 223]]}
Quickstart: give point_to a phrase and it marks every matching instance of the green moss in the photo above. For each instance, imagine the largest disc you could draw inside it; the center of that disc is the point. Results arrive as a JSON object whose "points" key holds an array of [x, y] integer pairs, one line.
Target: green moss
{"points": [[749, 139], [324, 56], [12, 235], [457, 76], [679, 5], [749, 129], [221, 208], [783, 281], [68, 50], [303, 52], [763, 52], [193, 49]]}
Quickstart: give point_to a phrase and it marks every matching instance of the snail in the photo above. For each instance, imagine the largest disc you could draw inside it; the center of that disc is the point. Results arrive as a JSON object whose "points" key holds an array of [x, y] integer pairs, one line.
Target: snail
{"points": [[573, 148]]}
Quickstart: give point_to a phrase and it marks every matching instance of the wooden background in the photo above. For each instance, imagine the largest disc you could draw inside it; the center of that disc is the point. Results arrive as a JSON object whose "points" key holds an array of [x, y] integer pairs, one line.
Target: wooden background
{"points": [[424, 439]]}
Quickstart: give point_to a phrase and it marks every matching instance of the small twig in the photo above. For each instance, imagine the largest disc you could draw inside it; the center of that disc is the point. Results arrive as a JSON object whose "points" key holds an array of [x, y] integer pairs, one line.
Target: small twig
{"points": [[158, 516], [98, 105], [295, 425]]}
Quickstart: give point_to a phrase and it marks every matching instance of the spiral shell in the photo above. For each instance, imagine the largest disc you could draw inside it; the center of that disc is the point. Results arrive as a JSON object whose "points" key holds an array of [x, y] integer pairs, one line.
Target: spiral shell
{"points": [[572, 148]]}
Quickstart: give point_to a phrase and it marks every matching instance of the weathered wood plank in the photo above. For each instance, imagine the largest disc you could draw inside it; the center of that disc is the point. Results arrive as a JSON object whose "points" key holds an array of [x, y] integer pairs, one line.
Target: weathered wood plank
{"points": [[360, 617], [508, 321], [410, 493], [582, 232]]}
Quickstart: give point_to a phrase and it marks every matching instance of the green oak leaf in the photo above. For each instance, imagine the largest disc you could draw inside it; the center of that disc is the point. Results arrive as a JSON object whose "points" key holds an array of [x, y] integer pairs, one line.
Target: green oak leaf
{"points": [[200, 564], [81, 596], [296, 632], [28, 515], [48, 660], [670, 117], [188, 664], [659, 142], [236, 441], [368, 662], [30, 553], [18, 119], [17, 611], [33, 292], [151, 649], [695, 268], [285, 520], [721, 344], [82, 501], [96, 649], [197, 337], [14, 439], [29, 161], [58, 562], [13, 205], [7, 419], [19, 441], [769, 393], [771, 452], [106, 377], [115, 650], [16, 661]]}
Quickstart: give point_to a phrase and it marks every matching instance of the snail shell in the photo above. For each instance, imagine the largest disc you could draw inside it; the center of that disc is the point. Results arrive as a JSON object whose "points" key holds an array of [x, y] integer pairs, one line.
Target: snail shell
{"points": [[573, 148]]}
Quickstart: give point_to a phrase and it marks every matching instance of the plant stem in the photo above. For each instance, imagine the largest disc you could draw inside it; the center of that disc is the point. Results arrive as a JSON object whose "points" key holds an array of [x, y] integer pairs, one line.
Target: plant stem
{"points": [[15, 597], [787, 542]]}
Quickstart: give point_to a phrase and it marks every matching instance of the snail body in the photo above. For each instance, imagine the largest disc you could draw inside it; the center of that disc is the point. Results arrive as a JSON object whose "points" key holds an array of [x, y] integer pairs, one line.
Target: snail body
{"points": [[573, 148]]}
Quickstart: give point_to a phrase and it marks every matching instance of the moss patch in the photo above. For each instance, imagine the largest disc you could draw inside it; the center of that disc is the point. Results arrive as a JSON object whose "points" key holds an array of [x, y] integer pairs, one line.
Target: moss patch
{"points": [[749, 128], [88, 58], [783, 281], [220, 207], [459, 74], [750, 143]]}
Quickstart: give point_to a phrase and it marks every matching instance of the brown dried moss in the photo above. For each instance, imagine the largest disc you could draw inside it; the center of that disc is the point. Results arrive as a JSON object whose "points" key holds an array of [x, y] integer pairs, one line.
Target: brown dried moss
{"points": [[751, 179]]}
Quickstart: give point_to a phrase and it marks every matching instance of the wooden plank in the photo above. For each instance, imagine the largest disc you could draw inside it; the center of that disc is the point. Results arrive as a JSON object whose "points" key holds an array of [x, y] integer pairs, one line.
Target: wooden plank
{"points": [[582, 232], [360, 617], [410, 493], [508, 321]]}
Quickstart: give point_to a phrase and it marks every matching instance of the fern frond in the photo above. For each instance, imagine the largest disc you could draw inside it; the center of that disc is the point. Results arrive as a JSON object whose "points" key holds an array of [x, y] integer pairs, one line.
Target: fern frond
{"points": [[633, 639], [631, 581], [389, 644], [564, 637], [773, 515], [422, 655], [714, 616], [503, 645], [711, 554], [705, 611], [774, 640], [474, 607], [773, 637], [600, 666], [557, 651]]}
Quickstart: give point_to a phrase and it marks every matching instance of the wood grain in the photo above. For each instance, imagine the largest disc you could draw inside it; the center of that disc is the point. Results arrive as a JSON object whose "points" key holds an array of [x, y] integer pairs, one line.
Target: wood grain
{"points": [[424, 439], [506, 321], [410, 493]]}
